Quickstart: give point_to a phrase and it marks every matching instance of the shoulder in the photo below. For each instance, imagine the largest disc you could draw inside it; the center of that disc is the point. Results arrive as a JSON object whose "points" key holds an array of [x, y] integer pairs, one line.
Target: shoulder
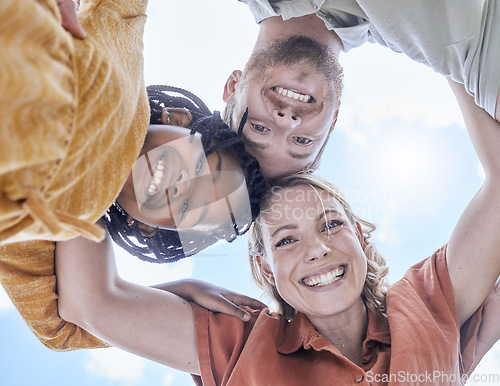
{"points": [[425, 285], [430, 270]]}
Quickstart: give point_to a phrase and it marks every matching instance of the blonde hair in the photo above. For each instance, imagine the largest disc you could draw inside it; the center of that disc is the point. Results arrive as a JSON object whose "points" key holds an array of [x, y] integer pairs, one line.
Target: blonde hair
{"points": [[376, 285]]}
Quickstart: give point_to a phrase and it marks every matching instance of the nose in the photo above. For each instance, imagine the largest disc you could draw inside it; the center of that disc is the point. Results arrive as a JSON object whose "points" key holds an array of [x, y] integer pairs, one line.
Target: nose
{"points": [[317, 249], [286, 118], [181, 185]]}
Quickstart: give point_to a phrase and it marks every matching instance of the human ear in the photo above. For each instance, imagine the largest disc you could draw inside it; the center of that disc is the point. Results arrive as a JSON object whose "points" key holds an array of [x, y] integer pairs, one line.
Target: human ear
{"points": [[265, 269], [359, 233], [176, 117], [230, 86], [335, 117]]}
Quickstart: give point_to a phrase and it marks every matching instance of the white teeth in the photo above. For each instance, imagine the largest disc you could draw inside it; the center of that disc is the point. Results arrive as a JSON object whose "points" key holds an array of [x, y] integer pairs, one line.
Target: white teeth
{"points": [[292, 94], [325, 278], [157, 176]]}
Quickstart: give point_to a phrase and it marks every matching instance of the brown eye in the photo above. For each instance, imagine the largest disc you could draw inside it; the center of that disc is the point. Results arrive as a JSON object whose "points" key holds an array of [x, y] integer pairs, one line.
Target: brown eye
{"points": [[302, 140], [259, 128]]}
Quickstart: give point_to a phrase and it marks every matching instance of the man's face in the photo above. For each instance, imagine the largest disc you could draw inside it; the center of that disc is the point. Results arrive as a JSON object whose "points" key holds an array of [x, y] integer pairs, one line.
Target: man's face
{"points": [[291, 90]]}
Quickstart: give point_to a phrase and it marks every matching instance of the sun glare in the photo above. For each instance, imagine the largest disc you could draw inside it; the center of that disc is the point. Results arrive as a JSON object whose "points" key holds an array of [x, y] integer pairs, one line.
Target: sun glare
{"points": [[409, 164]]}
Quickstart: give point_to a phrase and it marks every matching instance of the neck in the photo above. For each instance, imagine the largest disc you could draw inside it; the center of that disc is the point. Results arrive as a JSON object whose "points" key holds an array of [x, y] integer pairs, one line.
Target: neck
{"points": [[312, 26], [346, 331]]}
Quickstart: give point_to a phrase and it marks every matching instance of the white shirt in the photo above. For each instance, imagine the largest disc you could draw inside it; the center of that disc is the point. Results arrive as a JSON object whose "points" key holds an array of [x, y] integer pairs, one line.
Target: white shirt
{"points": [[456, 38]]}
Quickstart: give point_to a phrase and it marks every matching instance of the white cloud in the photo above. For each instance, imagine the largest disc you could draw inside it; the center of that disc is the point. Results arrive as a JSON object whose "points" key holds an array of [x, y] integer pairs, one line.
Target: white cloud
{"points": [[380, 84], [169, 379], [386, 231], [115, 364], [135, 270], [5, 302], [359, 137]]}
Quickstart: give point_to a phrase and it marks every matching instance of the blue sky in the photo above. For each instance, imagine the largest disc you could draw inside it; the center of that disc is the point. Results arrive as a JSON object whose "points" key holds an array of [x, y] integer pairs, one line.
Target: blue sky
{"points": [[399, 152]]}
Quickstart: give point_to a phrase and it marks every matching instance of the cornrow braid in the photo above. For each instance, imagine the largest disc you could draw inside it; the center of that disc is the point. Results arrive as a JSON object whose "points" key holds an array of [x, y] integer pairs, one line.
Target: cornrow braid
{"points": [[167, 96], [166, 245]]}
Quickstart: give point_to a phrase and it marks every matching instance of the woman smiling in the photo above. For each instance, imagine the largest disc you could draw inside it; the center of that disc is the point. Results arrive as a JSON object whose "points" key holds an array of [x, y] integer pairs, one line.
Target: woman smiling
{"points": [[339, 323]]}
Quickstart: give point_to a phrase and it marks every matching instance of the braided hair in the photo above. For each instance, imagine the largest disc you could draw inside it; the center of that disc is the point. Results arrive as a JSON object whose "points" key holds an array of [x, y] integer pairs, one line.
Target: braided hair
{"points": [[167, 245]]}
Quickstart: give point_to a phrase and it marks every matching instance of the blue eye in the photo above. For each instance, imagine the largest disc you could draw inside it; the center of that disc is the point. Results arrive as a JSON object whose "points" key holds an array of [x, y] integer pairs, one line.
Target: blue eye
{"points": [[284, 241], [333, 226]]}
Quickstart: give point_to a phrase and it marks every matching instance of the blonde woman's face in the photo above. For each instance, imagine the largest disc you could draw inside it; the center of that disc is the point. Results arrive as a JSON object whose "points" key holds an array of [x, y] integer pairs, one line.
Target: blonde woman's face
{"points": [[313, 252]]}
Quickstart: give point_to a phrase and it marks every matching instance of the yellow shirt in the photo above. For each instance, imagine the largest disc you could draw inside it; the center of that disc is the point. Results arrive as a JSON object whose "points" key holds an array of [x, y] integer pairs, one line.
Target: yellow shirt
{"points": [[74, 115]]}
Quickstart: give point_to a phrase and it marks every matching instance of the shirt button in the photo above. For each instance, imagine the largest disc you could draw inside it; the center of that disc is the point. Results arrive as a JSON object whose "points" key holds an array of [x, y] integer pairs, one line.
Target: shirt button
{"points": [[314, 5], [359, 378]]}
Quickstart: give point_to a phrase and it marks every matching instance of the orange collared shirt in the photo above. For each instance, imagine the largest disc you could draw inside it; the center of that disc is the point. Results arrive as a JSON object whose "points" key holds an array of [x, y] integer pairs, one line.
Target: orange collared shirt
{"points": [[419, 342]]}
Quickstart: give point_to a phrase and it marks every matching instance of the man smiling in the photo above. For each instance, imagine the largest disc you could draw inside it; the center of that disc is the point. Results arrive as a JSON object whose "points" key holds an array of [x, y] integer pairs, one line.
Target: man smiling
{"points": [[456, 38], [291, 86]]}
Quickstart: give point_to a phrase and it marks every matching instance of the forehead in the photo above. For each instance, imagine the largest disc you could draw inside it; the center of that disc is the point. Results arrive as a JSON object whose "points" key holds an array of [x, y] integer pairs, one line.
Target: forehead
{"points": [[300, 203]]}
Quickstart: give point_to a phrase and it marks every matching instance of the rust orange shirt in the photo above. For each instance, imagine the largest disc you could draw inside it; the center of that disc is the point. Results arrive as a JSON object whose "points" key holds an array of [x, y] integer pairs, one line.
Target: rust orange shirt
{"points": [[419, 342]]}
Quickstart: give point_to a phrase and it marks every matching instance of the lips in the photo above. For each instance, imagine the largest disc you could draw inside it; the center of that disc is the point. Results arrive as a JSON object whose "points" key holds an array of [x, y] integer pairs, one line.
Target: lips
{"points": [[324, 278]]}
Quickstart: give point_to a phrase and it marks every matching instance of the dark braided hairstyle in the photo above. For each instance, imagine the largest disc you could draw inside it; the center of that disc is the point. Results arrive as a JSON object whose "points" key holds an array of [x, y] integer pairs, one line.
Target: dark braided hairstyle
{"points": [[166, 245]]}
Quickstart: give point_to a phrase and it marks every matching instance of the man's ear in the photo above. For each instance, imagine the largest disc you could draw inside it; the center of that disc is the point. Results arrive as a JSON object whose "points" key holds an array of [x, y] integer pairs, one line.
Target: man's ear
{"points": [[335, 117], [265, 268], [230, 86]]}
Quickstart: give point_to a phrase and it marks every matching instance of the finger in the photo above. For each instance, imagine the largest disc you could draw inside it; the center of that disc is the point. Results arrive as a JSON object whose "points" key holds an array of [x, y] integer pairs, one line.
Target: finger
{"points": [[225, 306], [243, 300], [70, 19]]}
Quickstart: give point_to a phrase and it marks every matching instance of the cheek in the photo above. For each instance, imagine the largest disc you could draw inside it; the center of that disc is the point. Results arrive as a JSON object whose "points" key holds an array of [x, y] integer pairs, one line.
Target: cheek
{"points": [[283, 269], [126, 198], [362, 269]]}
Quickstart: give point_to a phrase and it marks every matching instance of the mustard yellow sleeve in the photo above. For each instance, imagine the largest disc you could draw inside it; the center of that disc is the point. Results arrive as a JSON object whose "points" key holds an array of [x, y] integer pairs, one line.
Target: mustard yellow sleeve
{"points": [[27, 273], [132, 13], [37, 104]]}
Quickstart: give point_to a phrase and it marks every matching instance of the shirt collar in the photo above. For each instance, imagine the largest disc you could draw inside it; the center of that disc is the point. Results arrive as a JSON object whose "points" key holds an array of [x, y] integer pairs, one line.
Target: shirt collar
{"points": [[301, 333]]}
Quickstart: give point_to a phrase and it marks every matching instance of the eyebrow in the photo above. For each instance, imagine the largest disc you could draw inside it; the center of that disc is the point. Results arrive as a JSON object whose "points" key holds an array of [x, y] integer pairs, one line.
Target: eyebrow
{"points": [[218, 169], [318, 218], [250, 142], [326, 211], [299, 156], [290, 226], [263, 146]]}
